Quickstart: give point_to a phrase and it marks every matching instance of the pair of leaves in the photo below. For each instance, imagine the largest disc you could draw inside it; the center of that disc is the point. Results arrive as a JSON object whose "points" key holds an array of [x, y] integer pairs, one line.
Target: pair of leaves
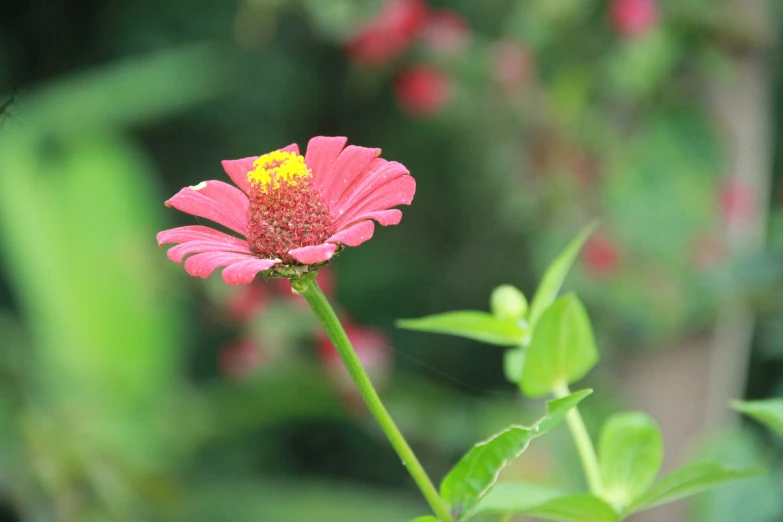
{"points": [[475, 474], [768, 412]]}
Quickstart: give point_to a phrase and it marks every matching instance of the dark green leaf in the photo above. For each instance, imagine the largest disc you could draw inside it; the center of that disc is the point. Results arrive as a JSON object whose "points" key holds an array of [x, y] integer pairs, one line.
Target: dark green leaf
{"points": [[630, 456], [475, 474], [768, 412], [479, 326], [562, 349], [555, 275], [687, 481]]}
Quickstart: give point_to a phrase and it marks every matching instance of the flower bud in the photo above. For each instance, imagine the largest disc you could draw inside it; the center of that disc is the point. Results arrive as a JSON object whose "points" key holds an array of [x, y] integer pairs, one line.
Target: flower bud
{"points": [[506, 302]]}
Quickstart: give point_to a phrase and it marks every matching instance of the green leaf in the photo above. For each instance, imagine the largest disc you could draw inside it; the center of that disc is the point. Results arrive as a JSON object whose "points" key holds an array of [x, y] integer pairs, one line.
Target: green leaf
{"points": [[555, 275], [562, 349], [427, 518], [479, 326], [513, 363], [687, 481], [768, 412], [546, 503], [630, 456], [507, 302], [476, 473]]}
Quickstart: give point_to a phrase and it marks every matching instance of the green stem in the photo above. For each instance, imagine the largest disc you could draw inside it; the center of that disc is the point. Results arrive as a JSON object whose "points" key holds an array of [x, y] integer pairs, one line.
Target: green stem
{"points": [[583, 444], [307, 287]]}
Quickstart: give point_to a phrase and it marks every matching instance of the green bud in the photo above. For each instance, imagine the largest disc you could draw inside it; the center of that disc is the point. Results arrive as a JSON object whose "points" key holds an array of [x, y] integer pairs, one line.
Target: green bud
{"points": [[506, 302]]}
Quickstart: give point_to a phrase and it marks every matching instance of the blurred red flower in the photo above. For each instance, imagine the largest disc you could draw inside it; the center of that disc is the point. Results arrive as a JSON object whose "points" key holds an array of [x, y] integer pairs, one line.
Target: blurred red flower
{"points": [[389, 33], [736, 201], [423, 90], [447, 32], [601, 255], [239, 358], [634, 17], [511, 64], [373, 349], [246, 300]]}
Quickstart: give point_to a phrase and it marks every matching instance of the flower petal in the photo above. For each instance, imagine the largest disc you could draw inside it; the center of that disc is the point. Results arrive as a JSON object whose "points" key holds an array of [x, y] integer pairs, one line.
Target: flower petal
{"points": [[244, 272], [379, 174], [178, 253], [383, 217], [352, 162], [214, 200], [311, 255], [354, 235], [199, 233], [201, 265], [398, 192], [321, 153], [237, 169]]}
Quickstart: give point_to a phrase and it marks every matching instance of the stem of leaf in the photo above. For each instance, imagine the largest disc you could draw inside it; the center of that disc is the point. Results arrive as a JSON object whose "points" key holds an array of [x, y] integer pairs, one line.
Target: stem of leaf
{"points": [[583, 444], [307, 287]]}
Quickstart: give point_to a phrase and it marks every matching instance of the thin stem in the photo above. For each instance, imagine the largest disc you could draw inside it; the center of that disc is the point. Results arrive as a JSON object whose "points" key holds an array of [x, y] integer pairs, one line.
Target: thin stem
{"points": [[308, 288], [583, 444]]}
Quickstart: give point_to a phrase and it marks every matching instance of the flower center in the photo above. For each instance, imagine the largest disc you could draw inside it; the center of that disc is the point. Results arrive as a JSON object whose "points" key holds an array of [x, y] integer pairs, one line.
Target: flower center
{"points": [[286, 211]]}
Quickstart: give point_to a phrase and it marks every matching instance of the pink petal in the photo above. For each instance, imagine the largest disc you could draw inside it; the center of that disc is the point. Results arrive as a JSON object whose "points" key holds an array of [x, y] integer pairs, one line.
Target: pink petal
{"points": [[178, 252], [352, 162], [237, 169], [321, 153], [380, 173], [244, 272], [199, 233], [311, 255], [201, 265], [398, 192], [214, 200], [354, 235], [383, 217]]}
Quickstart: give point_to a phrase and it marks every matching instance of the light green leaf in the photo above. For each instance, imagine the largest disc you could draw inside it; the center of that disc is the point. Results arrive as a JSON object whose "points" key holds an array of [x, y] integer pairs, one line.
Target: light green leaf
{"points": [[479, 326], [555, 275], [476, 473], [630, 456], [574, 508], [513, 363], [687, 481], [562, 349], [427, 518], [516, 497], [768, 412]]}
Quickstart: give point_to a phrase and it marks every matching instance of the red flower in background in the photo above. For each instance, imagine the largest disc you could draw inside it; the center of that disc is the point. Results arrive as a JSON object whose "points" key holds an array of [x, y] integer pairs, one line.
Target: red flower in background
{"points": [[423, 90], [601, 255], [389, 33], [447, 32], [634, 17], [239, 358], [373, 349], [511, 64], [736, 201], [243, 303]]}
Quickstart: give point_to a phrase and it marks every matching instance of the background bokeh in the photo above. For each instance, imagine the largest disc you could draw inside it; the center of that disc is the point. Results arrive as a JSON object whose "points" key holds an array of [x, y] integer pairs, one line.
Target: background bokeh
{"points": [[131, 391]]}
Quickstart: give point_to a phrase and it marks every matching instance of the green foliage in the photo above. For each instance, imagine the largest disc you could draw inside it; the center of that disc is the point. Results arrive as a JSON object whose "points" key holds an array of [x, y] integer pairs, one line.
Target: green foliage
{"points": [[546, 503], [555, 275], [475, 474], [513, 364], [479, 326], [630, 455], [768, 412], [507, 302], [562, 349], [427, 518], [689, 480]]}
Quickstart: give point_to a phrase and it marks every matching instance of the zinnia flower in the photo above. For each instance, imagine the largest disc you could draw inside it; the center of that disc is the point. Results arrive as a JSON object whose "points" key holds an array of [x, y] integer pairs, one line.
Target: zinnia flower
{"points": [[634, 17], [293, 212], [447, 32], [389, 33], [423, 90]]}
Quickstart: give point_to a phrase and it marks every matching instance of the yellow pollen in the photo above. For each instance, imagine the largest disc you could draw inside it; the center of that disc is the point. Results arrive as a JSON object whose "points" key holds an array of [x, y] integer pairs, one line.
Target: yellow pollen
{"points": [[276, 168]]}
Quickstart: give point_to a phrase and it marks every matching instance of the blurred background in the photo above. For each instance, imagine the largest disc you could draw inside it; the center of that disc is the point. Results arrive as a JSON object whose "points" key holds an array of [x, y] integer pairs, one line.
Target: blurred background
{"points": [[130, 391]]}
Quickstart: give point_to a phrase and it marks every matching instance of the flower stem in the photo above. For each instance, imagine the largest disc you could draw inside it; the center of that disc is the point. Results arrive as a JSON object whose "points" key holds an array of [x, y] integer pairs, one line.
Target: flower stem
{"points": [[583, 444], [307, 287]]}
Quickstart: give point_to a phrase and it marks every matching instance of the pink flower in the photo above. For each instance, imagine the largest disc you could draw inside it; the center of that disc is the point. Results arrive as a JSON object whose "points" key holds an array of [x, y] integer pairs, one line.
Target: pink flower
{"points": [[292, 211], [389, 33], [447, 32], [372, 347], [601, 256], [511, 64], [423, 91], [736, 201], [239, 359], [634, 17]]}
